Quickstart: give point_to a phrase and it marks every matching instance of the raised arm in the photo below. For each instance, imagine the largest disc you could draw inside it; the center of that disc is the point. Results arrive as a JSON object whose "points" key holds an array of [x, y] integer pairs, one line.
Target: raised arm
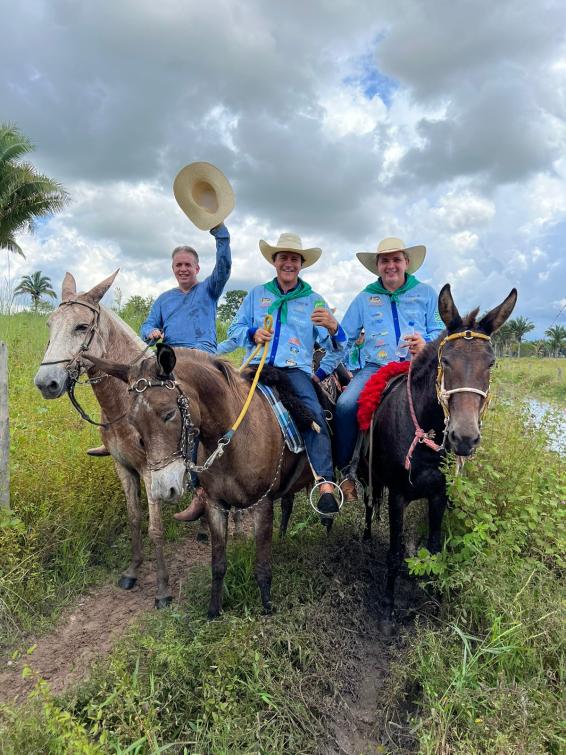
{"points": [[219, 276]]}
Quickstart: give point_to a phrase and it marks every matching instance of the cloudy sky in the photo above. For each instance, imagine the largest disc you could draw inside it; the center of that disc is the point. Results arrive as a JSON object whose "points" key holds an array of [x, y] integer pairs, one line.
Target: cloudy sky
{"points": [[442, 123]]}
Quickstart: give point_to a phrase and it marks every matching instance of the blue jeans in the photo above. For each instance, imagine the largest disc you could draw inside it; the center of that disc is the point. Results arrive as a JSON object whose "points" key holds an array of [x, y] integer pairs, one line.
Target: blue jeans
{"points": [[318, 445], [345, 417]]}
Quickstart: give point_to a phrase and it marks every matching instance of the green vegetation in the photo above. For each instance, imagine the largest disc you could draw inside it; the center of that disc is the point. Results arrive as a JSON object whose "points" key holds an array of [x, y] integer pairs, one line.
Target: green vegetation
{"points": [[35, 286], [485, 673], [536, 378], [25, 194]]}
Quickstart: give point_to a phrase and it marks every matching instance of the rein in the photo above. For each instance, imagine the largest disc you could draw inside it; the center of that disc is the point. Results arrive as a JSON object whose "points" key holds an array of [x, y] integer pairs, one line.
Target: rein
{"points": [[443, 398]]}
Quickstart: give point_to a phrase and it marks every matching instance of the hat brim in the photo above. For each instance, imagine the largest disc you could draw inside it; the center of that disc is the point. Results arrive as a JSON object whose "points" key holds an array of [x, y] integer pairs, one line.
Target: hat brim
{"points": [[416, 256], [204, 194], [310, 256]]}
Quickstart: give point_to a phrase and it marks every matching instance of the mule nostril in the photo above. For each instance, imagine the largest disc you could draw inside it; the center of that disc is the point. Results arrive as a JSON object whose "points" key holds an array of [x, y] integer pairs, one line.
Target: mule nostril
{"points": [[172, 493], [53, 385]]}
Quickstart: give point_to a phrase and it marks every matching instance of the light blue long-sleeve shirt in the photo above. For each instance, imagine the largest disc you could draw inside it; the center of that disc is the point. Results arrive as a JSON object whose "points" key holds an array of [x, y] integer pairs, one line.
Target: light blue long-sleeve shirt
{"points": [[189, 319], [292, 344], [385, 321]]}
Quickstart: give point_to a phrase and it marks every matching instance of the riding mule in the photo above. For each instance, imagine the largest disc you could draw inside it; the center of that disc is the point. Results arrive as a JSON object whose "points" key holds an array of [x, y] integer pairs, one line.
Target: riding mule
{"points": [[248, 469], [445, 394], [81, 323]]}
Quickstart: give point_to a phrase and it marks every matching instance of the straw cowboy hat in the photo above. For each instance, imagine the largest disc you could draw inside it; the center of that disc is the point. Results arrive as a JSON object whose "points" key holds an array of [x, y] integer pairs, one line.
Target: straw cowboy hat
{"points": [[290, 242], [416, 254], [204, 194]]}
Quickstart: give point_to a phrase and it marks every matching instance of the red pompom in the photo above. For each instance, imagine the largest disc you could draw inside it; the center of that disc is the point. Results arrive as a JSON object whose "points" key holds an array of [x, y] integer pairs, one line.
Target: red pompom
{"points": [[371, 394]]}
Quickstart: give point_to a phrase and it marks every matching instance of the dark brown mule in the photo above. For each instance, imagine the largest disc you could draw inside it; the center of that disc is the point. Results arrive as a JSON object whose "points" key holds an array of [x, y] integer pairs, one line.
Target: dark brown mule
{"points": [[465, 357], [186, 392], [81, 323]]}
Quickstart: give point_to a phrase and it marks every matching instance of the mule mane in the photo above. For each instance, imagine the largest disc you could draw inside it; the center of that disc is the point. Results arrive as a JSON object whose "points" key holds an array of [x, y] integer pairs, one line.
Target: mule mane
{"points": [[423, 372]]}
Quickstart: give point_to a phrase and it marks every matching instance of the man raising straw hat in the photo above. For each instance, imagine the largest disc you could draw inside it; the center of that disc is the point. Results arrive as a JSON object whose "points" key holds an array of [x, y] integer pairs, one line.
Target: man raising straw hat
{"points": [[301, 317], [398, 314]]}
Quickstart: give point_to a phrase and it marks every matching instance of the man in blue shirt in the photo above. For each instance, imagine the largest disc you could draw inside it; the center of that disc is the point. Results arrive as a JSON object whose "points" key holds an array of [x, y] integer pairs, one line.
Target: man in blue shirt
{"points": [[398, 314], [301, 318], [186, 315]]}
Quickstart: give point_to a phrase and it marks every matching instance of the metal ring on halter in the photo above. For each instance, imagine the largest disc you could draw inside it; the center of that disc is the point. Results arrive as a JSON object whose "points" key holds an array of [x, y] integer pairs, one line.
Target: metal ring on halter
{"points": [[328, 415], [140, 385], [317, 485]]}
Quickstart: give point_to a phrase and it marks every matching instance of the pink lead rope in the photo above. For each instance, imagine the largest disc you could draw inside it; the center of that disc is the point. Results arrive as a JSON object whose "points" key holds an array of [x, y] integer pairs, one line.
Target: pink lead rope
{"points": [[420, 435]]}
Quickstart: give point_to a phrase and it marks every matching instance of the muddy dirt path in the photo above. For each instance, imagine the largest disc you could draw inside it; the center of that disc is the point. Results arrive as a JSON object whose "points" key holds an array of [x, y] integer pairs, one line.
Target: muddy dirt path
{"points": [[88, 629]]}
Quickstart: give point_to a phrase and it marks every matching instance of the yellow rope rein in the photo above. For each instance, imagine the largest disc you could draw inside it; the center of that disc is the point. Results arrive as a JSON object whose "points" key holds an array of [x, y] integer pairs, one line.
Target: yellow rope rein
{"points": [[268, 325]]}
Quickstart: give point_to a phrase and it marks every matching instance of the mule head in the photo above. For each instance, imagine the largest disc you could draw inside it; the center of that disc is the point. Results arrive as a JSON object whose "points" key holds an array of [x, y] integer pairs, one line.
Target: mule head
{"points": [[72, 327], [465, 361]]}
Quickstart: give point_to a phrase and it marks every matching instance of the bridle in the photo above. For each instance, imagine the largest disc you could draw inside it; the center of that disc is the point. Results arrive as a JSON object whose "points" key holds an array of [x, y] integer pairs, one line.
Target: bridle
{"points": [[443, 398], [74, 366]]}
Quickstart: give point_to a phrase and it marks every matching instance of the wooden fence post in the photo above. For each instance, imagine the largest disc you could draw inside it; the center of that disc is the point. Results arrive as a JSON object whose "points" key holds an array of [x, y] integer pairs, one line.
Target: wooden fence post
{"points": [[4, 430]]}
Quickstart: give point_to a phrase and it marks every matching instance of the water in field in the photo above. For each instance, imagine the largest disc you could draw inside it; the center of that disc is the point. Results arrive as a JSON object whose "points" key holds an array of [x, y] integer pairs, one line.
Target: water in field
{"points": [[552, 419]]}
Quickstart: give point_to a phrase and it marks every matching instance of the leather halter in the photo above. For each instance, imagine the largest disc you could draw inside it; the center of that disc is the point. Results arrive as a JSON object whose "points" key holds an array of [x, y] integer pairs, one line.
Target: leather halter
{"points": [[92, 330], [441, 392], [443, 397]]}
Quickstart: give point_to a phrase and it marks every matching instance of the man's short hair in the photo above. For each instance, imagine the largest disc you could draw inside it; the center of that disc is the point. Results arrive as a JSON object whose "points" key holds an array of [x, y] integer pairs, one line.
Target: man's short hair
{"points": [[403, 252], [189, 249], [287, 251]]}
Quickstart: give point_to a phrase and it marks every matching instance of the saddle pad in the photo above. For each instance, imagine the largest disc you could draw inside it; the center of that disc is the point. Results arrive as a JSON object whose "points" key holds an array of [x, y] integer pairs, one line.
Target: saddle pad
{"points": [[372, 391], [287, 424]]}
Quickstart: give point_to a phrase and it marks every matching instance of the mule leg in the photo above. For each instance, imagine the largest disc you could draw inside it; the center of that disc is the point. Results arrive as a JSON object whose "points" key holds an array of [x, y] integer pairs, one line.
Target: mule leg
{"points": [[286, 510], [436, 506], [163, 596], [368, 519], [263, 518], [218, 523], [396, 549], [130, 481], [202, 534], [238, 516]]}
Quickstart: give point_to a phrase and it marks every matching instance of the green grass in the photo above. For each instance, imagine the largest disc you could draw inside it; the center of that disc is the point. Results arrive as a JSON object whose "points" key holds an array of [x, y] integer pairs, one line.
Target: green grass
{"points": [[538, 378]]}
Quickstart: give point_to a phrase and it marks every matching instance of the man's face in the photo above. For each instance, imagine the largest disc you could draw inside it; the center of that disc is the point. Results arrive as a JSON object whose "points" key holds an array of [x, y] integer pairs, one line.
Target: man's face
{"points": [[288, 266], [185, 269], [391, 267]]}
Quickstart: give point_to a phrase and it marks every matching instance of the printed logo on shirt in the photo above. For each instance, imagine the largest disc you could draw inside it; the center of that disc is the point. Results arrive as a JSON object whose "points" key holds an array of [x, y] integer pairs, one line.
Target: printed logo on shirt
{"points": [[291, 363], [294, 349], [382, 354], [265, 301], [294, 340], [320, 304], [377, 301], [383, 333], [437, 317], [379, 342], [377, 315]]}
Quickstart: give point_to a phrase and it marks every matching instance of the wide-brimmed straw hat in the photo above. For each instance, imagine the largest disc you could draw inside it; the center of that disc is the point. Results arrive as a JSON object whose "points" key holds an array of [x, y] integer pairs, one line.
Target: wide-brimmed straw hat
{"points": [[204, 194], [290, 242], [416, 254]]}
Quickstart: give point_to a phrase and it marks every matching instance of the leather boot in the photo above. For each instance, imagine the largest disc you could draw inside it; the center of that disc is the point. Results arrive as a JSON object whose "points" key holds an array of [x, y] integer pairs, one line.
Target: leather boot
{"points": [[195, 509], [98, 451], [348, 488]]}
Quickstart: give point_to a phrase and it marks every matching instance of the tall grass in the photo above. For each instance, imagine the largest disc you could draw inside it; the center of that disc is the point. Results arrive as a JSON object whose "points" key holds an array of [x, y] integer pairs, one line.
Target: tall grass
{"points": [[539, 378]]}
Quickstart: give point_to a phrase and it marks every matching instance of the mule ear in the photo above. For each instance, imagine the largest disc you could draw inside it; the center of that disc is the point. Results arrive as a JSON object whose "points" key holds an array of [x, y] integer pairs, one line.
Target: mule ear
{"points": [[166, 358], [95, 294], [495, 318], [115, 369], [69, 287], [447, 309]]}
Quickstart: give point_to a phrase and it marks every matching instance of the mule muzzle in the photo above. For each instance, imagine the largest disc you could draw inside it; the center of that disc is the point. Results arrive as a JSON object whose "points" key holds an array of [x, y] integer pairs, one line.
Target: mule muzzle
{"points": [[168, 484], [462, 444], [51, 383]]}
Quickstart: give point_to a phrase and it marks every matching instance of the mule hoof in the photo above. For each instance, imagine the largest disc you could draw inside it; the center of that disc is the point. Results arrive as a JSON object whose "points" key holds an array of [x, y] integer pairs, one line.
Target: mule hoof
{"points": [[366, 537], [211, 615], [202, 537], [126, 583], [269, 610], [163, 602]]}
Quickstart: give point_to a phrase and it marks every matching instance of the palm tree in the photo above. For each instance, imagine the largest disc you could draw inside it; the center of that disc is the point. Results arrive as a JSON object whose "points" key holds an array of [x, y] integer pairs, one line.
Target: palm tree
{"points": [[35, 285], [557, 336], [25, 194], [519, 327], [502, 339]]}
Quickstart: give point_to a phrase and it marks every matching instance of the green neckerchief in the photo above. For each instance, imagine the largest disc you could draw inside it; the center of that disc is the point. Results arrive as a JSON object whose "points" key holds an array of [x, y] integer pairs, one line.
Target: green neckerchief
{"points": [[302, 289], [377, 288]]}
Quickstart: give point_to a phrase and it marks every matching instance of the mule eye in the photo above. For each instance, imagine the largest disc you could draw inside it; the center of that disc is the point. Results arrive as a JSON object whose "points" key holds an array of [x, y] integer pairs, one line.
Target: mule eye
{"points": [[81, 328], [168, 416], [142, 444]]}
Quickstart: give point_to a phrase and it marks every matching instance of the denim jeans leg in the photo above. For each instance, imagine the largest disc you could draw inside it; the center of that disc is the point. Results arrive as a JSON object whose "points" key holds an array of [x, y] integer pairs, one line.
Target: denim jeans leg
{"points": [[318, 445], [346, 419]]}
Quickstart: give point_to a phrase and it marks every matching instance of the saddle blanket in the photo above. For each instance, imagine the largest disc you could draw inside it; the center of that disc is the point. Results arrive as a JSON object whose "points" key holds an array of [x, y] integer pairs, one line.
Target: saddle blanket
{"points": [[287, 424], [372, 391]]}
